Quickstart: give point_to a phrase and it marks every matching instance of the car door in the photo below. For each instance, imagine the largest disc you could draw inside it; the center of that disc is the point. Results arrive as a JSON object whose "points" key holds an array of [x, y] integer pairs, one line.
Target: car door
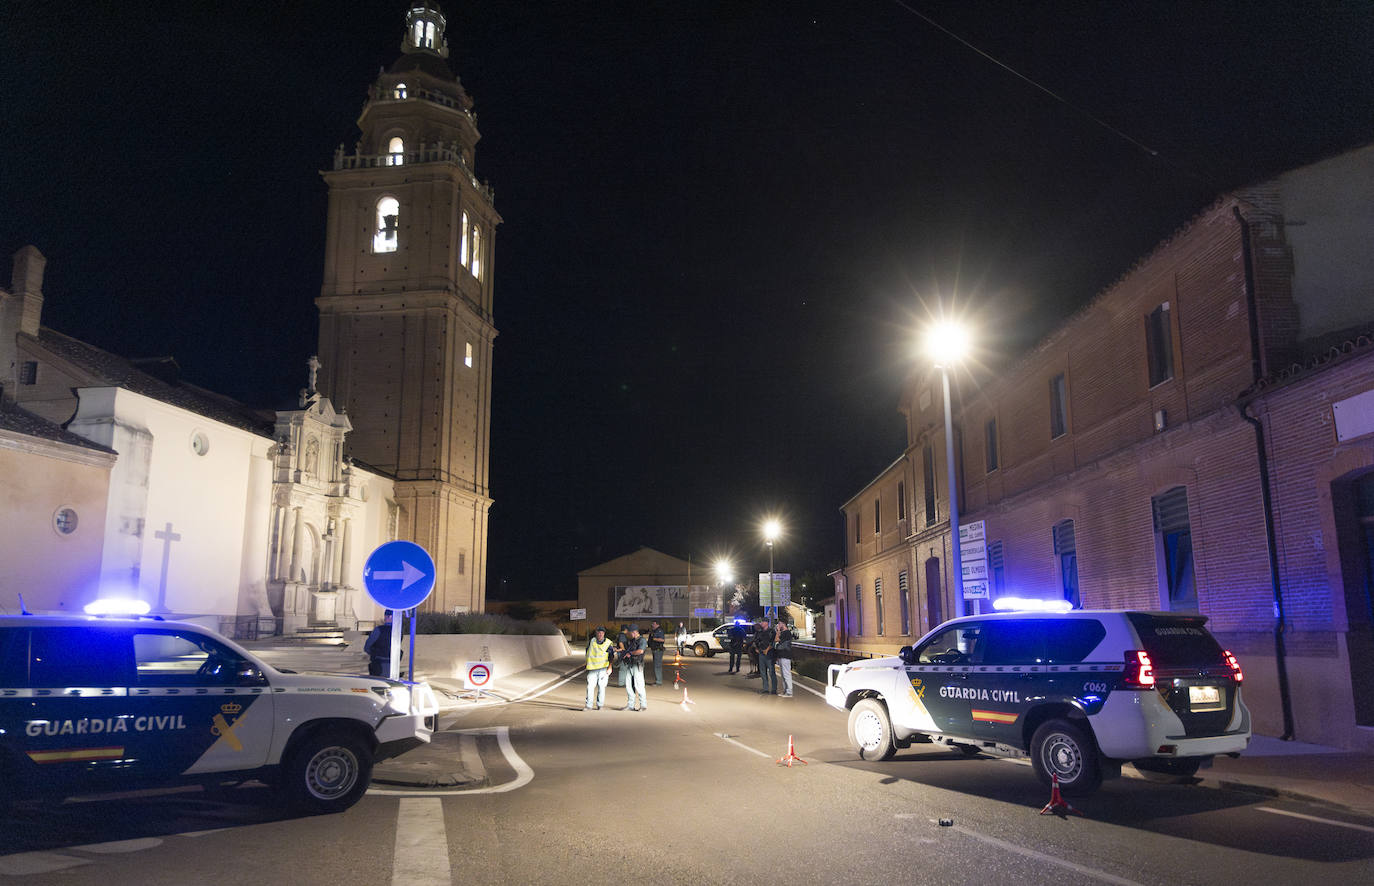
{"points": [[210, 709], [939, 676], [73, 710]]}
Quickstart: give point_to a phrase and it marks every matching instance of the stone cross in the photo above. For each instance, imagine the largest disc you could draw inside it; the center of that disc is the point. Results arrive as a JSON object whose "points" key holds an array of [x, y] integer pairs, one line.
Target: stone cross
{"points": [[167, 536], [314, 364]]}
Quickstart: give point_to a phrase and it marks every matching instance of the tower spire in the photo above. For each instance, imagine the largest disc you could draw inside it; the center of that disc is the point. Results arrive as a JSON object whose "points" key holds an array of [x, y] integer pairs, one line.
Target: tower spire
{"points": [[425, 30]]}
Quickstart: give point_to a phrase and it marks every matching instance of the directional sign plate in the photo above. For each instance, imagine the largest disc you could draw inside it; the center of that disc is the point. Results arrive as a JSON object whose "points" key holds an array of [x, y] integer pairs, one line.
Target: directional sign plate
{"points": [[399, 575]]}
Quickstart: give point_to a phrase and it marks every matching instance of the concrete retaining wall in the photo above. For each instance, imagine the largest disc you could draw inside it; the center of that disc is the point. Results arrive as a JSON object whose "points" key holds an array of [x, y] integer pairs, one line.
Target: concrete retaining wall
{"points": [[445, 655]]}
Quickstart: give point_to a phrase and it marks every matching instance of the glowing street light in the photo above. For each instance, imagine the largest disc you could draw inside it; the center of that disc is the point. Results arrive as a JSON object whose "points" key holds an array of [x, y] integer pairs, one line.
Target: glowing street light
{"points": [[724, 574], [947, 343], [772, 529]]}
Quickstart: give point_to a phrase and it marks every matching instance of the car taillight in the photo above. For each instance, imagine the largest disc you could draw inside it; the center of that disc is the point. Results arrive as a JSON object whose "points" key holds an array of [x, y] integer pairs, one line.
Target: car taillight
{"points": [[1140, 671], [1235, 665]]}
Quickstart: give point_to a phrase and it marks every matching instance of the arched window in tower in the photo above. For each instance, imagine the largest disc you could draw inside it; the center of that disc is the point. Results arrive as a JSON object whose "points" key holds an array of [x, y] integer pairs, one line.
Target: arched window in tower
{"points": [[424, 34], [463, 243], [388, 222], [395, 152], [477, 252], [398, 91]]}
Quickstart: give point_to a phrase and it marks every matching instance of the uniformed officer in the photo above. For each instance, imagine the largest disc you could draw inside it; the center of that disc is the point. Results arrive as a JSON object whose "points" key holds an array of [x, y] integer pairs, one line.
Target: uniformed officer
{"points": [[656, 640], [598, 668]]}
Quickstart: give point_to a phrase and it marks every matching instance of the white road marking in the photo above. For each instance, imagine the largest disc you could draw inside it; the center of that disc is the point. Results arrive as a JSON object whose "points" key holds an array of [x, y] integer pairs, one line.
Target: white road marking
{"points": [[725, 737], [1339, 824], [26, 864], [121, 846], [523, 773], [421, 856], [1047, 859], [204, 833]]}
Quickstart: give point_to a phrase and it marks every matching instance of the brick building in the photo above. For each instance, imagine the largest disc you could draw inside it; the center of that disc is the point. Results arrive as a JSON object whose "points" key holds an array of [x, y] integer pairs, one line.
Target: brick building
{"points": [[1199, 437]]}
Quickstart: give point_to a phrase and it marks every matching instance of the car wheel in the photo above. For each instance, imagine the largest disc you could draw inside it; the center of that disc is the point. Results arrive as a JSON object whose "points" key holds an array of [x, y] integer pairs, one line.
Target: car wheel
{"points": [[701, 649], [1063, 749], [327, 772], [870, 730], [1178, 766]]}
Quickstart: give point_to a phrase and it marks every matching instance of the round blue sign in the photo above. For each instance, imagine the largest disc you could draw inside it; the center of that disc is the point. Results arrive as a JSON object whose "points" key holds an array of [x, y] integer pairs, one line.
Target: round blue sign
{"points": [[399, 575]]}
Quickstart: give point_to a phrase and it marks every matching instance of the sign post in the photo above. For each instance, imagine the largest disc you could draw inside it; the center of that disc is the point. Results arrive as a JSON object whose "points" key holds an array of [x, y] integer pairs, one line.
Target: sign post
{"points": [[399, 575]]}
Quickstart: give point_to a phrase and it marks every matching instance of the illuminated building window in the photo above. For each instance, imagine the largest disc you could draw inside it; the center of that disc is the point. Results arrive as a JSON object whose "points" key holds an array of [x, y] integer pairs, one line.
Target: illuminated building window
{"points": [[463, 243], [878, 603], [388, 218], [477, 252], [398, 91], [467, 358], [424, 34], [395, 152]]}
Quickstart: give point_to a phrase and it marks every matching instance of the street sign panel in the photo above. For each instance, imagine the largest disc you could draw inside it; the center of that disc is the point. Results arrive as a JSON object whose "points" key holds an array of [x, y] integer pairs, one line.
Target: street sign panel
{"points": [[577, 614], [478, 675], [399, 575]]}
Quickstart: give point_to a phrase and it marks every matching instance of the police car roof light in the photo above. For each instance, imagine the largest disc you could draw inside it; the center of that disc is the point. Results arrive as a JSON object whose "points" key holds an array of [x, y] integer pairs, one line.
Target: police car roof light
{"points": [[1030, 604], [120, 606]]}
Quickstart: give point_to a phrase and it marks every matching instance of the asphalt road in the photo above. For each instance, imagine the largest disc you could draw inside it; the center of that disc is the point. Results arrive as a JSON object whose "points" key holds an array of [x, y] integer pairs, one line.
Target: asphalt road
{"points": [[694, 795]]}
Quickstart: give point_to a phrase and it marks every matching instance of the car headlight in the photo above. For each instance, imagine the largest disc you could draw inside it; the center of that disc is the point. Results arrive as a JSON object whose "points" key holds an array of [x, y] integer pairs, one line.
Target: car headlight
{"points": [[398, 699]]}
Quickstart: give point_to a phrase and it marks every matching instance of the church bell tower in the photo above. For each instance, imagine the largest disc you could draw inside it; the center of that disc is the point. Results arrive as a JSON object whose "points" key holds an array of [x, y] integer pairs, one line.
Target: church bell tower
{"points": [[405, 308]]}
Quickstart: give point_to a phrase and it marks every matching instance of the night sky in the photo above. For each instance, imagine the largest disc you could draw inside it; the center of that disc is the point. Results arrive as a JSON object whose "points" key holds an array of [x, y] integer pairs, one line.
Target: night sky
{"points": [[724, 221]]}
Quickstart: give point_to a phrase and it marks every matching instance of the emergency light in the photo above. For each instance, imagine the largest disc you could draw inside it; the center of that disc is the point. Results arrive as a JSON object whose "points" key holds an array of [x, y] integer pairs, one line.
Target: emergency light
{"points": [[117, 606]]}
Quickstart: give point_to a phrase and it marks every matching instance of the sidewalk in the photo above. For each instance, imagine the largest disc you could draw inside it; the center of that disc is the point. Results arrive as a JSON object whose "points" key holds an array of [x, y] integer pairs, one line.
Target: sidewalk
{"points": [[1269, 767]]}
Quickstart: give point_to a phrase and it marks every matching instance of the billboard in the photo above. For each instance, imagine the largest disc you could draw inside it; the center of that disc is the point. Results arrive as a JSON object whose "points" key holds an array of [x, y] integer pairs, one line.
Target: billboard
{"points": [[662, 601]]}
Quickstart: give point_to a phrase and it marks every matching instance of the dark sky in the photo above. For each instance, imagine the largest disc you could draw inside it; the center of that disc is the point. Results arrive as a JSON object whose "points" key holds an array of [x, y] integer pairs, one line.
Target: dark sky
{"points": [[723, 220]]}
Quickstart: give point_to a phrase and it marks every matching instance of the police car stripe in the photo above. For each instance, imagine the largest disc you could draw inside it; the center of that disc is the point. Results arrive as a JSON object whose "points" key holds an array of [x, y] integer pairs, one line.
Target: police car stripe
{"points": [[995, 717], [1086, 668], [76, 755], [163, 691]]}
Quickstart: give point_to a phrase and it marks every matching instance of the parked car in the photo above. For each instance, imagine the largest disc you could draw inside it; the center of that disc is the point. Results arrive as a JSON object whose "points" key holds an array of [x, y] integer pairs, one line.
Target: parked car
{"points": [[99, 704], [1080, 692], [707, 643]]}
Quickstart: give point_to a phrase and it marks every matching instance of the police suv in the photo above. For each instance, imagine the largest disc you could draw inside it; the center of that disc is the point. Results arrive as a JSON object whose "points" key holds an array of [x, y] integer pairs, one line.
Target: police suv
{"points": [[1081, 692], [98, 704]]}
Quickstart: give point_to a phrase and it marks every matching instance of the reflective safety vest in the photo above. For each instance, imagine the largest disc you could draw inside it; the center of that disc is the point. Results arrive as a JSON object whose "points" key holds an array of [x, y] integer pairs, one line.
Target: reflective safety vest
{"points": [[598, 654]]}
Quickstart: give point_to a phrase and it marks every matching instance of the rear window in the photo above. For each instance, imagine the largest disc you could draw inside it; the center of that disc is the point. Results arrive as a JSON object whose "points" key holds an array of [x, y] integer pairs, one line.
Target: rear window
{"points": [[1033, 641], [78, 657], [1176, 640]]}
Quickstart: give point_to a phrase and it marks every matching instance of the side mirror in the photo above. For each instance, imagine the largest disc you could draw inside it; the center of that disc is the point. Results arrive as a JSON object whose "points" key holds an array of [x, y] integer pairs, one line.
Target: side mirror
{"points": [[907, 655]]}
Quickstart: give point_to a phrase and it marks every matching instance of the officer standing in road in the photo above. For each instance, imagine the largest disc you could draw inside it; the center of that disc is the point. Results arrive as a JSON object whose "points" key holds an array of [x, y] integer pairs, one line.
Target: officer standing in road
{"points": [[378, 647], [782, 651], [656, 640], [632, 667], [736, 634], [598, 668], [620, 640], [763, 641]]}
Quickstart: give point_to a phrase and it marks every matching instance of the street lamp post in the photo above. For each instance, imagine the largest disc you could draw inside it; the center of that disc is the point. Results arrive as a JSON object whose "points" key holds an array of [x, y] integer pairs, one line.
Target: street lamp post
{"points": [[947, 343], [771, 530]]}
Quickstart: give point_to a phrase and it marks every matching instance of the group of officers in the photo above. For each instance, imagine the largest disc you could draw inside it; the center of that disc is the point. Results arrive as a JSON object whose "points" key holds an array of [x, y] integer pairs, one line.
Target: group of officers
{"points": [[769, 648]]}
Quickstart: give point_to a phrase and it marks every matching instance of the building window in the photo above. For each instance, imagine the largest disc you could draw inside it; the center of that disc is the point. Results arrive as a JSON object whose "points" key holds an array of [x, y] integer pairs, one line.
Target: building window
{"points": [[928, 475], [858, 610], [388, 219], [997, 571], [901, 501], [395, 152], [878, 603], [398, 91], [877, 515], [858, 537], [1059, 408], [476, 252], [28, 372], [64, 521], [462, 562], [467, 356], [1174, 550], [990, 449], [1159, 345], [904, 591], [1066, 551], [463, 243]]}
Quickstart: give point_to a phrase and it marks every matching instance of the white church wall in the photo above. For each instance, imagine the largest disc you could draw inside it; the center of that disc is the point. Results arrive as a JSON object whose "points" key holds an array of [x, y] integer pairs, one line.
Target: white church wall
{"points": [[377, 493]]}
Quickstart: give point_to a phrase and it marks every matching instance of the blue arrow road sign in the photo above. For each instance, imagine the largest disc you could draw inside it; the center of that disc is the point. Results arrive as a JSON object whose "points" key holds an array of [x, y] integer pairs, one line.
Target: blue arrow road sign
{"points": [[399, 575]]}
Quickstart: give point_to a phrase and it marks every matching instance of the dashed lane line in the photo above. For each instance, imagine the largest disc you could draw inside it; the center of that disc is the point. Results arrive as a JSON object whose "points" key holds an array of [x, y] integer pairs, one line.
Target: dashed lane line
{"points": [[421, 856], [740, 744], [1047, 859], [1330, 821]]}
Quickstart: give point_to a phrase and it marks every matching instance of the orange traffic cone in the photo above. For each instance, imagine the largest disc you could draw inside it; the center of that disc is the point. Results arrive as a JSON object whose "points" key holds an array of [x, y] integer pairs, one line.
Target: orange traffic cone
{"points": [[686, 700], [1057, 806], [677, 678], [791, 755]]}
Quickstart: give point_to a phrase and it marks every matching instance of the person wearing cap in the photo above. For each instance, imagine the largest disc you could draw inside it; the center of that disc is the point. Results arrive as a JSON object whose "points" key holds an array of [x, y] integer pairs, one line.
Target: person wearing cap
{"points": [[598, 668], [763, 642], [632, 670], [656, 644]]}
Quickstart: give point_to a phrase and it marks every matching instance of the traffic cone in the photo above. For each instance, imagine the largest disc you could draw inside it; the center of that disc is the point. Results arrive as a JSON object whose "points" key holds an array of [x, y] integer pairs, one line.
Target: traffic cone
{"points": [[677, 679], [686, 700], [1057, 806], [791, 755]]}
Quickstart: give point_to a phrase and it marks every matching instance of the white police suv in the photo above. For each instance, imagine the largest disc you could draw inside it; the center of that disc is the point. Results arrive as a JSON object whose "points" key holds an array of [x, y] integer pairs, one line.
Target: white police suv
{"points": [[1081, 692], [98, 704]]}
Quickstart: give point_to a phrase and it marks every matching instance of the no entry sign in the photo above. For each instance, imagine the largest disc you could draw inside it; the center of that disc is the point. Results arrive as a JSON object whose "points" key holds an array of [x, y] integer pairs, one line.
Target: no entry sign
{"points": [[477, 675]]}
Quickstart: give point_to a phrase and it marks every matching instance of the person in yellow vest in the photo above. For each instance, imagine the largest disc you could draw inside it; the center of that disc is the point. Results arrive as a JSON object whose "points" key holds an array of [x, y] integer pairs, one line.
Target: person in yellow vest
{"points": [[598, 668]]}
